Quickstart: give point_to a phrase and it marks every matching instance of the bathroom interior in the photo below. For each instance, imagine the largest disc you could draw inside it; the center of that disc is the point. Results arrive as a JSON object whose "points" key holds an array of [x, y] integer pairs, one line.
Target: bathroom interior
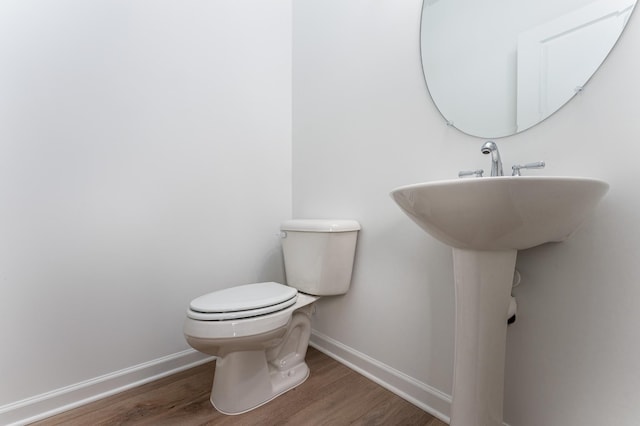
{"points": [[149, 151]]}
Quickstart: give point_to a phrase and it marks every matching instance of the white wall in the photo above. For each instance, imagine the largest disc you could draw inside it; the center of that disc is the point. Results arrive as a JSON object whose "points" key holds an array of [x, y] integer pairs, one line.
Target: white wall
{"points": [[364, 124], [145, 159]]}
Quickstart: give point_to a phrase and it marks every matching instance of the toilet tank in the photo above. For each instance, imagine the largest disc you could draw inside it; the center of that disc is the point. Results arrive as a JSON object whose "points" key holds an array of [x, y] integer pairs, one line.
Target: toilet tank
{"points": [[319, 254]]}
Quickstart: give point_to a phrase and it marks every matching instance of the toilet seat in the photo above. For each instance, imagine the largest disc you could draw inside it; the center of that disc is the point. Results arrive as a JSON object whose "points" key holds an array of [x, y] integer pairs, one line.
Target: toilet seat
{"points": [[243, 301]]}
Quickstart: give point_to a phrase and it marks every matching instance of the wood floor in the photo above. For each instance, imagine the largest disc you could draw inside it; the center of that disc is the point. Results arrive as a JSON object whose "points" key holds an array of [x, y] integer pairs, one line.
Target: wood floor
{"points": [[333, 395]]}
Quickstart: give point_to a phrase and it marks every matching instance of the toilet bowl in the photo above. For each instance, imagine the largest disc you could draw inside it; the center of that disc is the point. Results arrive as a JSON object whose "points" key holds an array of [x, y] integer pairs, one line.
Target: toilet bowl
{"points": [[260, 332]]}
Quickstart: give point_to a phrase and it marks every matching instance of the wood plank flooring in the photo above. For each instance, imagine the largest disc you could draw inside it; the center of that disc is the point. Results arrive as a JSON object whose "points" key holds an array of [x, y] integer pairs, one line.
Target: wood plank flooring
{"points": [[333, 395]]}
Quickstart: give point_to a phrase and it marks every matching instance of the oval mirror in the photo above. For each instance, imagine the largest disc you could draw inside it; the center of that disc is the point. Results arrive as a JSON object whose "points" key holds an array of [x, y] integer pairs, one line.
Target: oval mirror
{"points": [[496, 67]]}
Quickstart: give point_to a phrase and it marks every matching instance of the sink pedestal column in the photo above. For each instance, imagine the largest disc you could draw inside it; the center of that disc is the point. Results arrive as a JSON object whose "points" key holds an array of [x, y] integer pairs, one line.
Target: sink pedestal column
{"points": [[483, 281]]}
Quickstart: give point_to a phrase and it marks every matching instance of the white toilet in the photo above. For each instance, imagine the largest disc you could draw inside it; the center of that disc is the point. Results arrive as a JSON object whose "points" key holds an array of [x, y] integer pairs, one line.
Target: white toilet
{"points": [[260, 332]]}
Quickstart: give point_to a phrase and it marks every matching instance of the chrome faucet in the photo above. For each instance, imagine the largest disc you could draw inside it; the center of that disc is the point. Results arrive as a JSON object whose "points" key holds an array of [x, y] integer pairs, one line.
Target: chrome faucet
{"points": [[490, 147]]}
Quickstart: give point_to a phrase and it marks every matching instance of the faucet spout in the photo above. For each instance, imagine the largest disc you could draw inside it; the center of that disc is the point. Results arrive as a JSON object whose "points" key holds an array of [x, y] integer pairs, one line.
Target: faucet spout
{"points": [[490, 147]]}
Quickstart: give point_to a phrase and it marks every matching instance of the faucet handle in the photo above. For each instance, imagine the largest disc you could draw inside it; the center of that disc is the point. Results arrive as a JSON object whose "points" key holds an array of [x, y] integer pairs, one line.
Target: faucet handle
{"points": [[537, 165], [474, 173]]}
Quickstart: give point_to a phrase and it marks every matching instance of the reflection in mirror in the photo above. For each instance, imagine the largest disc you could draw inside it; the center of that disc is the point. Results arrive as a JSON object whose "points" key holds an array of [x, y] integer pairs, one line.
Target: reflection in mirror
{"points": [[498, 67]]}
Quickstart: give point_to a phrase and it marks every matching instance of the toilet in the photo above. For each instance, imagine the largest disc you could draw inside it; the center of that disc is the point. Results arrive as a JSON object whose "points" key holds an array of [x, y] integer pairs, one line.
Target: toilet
{"points": [[260, 332]]}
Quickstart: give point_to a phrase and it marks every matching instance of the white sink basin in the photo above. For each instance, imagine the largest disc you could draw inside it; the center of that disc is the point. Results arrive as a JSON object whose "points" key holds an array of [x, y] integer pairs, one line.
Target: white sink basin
{"points": [[500, 213]]}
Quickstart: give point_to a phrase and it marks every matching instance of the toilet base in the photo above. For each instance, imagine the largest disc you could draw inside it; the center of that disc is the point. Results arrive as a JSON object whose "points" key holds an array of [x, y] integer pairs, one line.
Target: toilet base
{"points": [[244, 381]]}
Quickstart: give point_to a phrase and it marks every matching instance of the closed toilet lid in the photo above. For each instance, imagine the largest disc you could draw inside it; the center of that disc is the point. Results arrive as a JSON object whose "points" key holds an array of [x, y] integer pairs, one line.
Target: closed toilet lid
{"points": [[242, 301]]}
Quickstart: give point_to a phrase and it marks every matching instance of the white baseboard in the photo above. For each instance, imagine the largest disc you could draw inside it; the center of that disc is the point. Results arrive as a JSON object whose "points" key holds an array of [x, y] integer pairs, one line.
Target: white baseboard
{"points": [[63, 399], [419, 394]]}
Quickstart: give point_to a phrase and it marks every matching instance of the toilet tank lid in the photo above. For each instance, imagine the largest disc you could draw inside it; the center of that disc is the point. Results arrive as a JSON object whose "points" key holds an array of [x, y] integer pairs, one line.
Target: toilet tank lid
{"points": [[320, 225]]}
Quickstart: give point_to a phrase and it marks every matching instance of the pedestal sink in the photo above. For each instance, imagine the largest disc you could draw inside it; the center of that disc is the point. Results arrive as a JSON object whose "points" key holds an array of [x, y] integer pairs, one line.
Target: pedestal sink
{"points": [[486, 221]]}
